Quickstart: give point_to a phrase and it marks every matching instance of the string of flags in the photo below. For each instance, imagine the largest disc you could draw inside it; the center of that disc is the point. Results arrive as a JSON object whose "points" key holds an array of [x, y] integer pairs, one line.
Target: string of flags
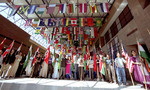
{"points": [[62, 8]]}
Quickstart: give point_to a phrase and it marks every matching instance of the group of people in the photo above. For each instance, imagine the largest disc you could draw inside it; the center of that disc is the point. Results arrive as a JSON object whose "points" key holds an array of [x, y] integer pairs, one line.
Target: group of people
{"points": [[73, 67]]}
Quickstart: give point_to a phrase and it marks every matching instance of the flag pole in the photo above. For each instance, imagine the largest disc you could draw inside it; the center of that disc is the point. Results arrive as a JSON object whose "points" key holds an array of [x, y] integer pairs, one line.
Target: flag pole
{"points": [[148, 31], [142, 66]]}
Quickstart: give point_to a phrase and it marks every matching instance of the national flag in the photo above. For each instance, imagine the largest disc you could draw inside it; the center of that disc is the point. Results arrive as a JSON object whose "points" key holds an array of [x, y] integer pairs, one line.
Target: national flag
{"points": [[57, 21], [75, 32], [18, 49], [32, 9], [41, 9], [95, 31], [14, 10], [2, 44], [98, 22], [37, 31], [50, 22], [94, 58], [72, 8], [47, 55], [85, 37], [129, 64], [104, 7], [92, 32], [143, 54], [81, 22], [65, 21], [28, 22], [62, 8], [51, 8], [67, 30], [90, 21], [101, 65], [28, 57], [88, 52], [81, 30], [35, 22], [53, 59], [36, 53], [84, 55], [61, 30], [8, 49], [23, 9], [42, 22], [93, 8], [73, 21], [55, 31], [83, 7], [87, 30]]}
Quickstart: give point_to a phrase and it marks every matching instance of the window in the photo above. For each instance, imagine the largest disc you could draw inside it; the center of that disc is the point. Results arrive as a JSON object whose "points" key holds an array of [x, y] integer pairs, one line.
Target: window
{"points": [[107, 38]]}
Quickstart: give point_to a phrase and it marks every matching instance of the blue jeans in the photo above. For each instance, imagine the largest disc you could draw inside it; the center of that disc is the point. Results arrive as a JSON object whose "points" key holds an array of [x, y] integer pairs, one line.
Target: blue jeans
{"points": [[121, 76], [76, 76]]}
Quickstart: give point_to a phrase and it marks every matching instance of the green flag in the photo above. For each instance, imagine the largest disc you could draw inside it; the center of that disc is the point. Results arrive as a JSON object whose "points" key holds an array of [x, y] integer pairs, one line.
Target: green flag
{"points": [[98, 22], [84, 55], [28, 57]]}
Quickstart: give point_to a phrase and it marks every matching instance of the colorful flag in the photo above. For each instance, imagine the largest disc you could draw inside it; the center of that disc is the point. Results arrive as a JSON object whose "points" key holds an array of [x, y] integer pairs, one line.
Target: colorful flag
{"points": [[51, 9], [81, 22], [93, 32], [83, 7], [94, 58], [81, 30], [62, 8], [72, 8], [98, 22], [18, 49], [14, 10], [104, 7], [61, 30], [143, 54], [32, 9], [55, 31], [87, 30], [35, 22], [42, 22], [47, 55], [101, 65], [23, 9], [57, 21], [67, 30], [84, 55], [2, 44], [85, 37], [28, 57], [65, 21], [93, 8], [73, 21], [37, 31], [36, 53], [50, 22], [28, 22], [75, 32], [41, 9], [90, 21], [8, 49]]}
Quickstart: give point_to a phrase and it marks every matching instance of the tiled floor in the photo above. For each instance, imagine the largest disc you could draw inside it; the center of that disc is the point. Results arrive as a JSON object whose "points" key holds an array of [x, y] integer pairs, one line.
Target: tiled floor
{"points": [[52, 84]]}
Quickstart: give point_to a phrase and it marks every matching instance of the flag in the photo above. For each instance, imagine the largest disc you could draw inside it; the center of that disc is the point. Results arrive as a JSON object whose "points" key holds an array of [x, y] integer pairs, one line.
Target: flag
{"points": [[47, 55], [104, 7], [73, 21], [51, 8], [61, 30], [143, 54], [23, 9], [28, 57], [8, 49], [37, 31], [87, 30], [32, 9], [59, 66], [75, 32], [81, 22], [2, 44], [95, 31], [65, 21], [84, 55], [41, 9], [93, 8], [98, 22], [72, 8], [35, 22], [36, 52], [53, 57], [55, 31], [83, 7], [67, 30], [92, 32], [129, 64], [18, 49], [14, 10], [94, 58], [88, 52], [50, 22], [81, 30], [85, 37], [101, 65], [28, 22], [90, 21], [57, 21], [42, 22], [62, 8]]}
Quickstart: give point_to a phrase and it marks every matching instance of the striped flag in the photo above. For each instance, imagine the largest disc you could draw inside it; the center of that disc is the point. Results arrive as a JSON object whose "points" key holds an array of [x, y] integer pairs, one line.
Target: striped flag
{"points": [[35, 22], [61, 30], [28, 22], [8, 49], [81, 22], [14, 10], [41, 9], [23, 9], [72, 8], [28, 57], [104, 7], [50, 22], [32, 9], [93, 8], [57, 21], [65, 21], [51, 9], [83, 7], [62, 8]]}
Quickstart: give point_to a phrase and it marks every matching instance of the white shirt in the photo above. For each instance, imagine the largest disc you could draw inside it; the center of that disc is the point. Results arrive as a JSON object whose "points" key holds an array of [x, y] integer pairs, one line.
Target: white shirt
{"points": [[119, 62], [79, 63], [91, 63]]}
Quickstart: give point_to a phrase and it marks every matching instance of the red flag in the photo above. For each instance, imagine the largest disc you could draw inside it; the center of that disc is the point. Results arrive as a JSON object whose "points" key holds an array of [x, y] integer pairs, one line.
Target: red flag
{"points": [[8, 49], [94, 58], [55, 31], [67, 30], [73, 21], [95, 31], [85, 37], [2, 44], [88, 52], [90, 21], [47, 55], [36, 52]]}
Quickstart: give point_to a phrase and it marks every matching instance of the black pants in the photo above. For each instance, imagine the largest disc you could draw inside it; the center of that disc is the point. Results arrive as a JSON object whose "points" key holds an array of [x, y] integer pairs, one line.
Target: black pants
{"points": [[50, 70], [18, 73], [36, 70]]}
